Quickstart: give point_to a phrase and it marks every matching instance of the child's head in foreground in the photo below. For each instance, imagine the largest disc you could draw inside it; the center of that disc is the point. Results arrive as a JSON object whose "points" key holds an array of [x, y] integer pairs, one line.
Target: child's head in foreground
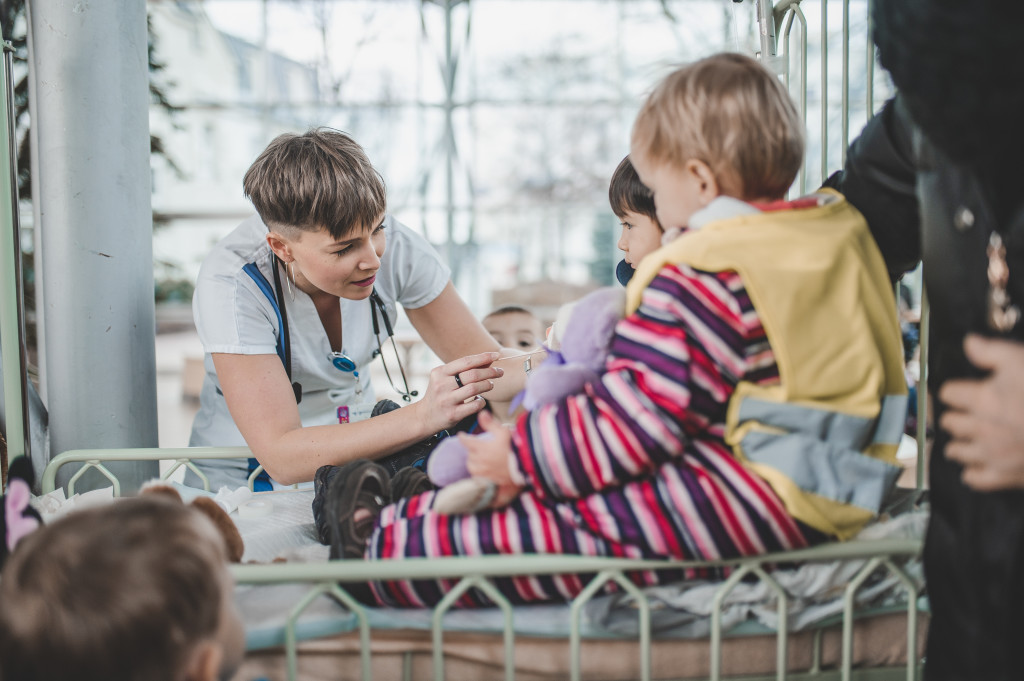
{"points": [[138, 589], [723, 125], [514, 327], [633, 204], [320, 180]]}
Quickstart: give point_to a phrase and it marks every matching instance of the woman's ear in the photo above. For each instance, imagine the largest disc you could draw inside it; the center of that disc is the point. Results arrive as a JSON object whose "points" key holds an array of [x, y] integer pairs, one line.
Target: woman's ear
{"points": [[279, 245], [704, 179]]}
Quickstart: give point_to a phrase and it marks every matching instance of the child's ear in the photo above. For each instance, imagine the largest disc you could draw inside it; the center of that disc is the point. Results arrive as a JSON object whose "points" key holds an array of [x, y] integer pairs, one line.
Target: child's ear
{"points": [[205, 662], [228, 531], [705, 180]]}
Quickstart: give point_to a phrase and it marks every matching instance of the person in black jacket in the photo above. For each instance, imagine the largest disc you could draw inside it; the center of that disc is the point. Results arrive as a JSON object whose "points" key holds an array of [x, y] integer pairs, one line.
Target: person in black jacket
{"points": [[936, 175]]}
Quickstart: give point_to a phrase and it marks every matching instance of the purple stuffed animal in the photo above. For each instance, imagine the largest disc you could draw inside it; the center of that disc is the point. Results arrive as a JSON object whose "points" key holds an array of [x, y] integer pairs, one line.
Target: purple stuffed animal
{"points": [[578, 346]]}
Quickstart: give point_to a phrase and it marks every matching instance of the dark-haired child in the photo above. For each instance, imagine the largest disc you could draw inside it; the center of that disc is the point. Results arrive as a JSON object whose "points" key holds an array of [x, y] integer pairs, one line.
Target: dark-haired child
{"points": [[633, 204]]}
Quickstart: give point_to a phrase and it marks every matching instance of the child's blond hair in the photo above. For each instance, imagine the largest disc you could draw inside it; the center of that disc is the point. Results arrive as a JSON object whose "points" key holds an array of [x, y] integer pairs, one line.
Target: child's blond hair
{"points": [[728, 111]]}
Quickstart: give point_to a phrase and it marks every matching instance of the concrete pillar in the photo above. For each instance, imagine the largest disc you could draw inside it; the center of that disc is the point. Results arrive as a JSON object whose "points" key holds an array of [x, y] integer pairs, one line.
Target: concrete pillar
{"points": [[91, 116]]}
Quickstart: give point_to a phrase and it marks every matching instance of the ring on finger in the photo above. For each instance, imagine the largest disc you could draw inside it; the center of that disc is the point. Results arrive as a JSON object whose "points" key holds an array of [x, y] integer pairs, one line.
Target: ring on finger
{"points": [[458, 381]]}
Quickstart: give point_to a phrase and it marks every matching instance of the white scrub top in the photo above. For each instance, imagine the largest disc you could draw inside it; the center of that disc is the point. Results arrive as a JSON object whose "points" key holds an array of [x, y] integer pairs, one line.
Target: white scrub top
{"points": [[232, 315]]}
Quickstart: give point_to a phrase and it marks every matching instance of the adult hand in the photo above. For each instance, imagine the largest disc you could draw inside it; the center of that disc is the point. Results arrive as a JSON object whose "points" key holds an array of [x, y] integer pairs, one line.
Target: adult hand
{"points": [[489, 458], [985, 417], [513, 363], [452, 387]]}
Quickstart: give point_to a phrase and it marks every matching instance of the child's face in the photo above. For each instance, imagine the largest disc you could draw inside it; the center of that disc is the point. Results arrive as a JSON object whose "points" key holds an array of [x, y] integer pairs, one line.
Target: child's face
{"points": [[515, 330], [678, 192], [345, 268], [640, 235]]}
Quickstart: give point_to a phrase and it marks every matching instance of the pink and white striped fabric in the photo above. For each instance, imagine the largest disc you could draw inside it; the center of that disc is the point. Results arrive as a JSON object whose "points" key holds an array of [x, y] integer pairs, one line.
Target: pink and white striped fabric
{"points": [[636, 466]]}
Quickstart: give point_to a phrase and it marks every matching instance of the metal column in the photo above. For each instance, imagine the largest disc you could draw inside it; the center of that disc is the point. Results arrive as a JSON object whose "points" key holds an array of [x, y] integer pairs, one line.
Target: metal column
{"points": [[12, 349], [91, 85]]}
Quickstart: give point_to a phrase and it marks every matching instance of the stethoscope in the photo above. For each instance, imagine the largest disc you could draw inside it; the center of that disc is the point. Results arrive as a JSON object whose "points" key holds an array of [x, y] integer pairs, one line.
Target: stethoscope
{"points": [[340, 360], [343, 362]]}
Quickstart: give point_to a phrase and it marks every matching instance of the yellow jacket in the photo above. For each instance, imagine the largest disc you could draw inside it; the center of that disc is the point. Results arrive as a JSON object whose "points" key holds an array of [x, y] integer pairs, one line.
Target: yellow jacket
{"points": [[825, 436]]}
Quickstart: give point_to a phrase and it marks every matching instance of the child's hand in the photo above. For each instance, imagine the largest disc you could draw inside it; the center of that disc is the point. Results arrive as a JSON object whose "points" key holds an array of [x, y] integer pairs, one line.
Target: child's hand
{"points": [[489, 458]]}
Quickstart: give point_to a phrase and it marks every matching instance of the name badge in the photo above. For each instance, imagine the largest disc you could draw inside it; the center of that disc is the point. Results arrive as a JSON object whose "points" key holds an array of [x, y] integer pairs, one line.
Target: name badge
{"points": [[353, 413]]}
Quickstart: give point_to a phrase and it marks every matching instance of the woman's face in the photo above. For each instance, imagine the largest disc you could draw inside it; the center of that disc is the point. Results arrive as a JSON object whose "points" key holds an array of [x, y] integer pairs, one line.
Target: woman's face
{"points": [[345, 268]]}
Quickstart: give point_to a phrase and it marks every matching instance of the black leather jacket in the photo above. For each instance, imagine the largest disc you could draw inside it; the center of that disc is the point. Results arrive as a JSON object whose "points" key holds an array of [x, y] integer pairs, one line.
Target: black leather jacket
{"points": [[919, 203]]}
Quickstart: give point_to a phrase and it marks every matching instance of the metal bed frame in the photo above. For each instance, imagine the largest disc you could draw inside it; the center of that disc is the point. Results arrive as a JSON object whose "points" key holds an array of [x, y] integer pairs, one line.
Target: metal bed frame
{"points": [[474, 572]]}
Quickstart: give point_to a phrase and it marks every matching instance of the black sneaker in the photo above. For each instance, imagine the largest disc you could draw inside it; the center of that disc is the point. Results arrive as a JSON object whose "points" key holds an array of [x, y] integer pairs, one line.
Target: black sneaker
{"points": [[321, 482], [408, 482], [414, 455], [360, 485], [383, 407]]}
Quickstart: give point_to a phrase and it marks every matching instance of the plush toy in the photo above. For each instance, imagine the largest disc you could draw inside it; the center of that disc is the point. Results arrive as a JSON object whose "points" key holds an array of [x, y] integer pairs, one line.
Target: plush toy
{"points": [[17, 517], [577, 348], [212, 510]]}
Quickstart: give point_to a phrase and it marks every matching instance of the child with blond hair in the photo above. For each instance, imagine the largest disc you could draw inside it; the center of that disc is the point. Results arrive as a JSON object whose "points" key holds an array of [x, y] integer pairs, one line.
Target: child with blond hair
{"points": [[138, 589], [752, 400]]}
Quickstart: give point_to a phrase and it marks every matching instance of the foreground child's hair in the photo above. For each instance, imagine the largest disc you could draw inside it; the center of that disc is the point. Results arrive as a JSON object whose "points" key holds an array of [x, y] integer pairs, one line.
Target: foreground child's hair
{"points": [[731, 113], [318, 180], [627, 193], [124, 591]]}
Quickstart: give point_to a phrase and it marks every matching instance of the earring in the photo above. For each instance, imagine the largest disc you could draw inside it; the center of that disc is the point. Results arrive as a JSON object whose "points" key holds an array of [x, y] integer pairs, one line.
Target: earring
{"points": [[290, 278]]}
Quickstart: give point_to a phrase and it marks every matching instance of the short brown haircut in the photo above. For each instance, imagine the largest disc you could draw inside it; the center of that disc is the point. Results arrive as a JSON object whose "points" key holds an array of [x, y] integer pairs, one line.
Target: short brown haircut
{"points": [[627, 193], [731, 113], [321, 179], [123, 591]]}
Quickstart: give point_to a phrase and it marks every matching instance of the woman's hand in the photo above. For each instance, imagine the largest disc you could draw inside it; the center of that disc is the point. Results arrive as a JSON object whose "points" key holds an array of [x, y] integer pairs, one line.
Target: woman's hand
{"points": [[489, 458], [453, 388], [514, 364], [983, 416]]}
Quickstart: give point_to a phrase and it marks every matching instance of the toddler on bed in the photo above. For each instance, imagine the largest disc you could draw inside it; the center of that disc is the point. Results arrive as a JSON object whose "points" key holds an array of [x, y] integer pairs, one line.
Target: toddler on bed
{"points": [[138, 589], [752, 400]]}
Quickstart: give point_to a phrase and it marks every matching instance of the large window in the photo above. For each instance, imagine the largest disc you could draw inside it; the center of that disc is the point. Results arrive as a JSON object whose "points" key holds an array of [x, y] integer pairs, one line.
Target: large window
{"points": [[495, 123]]}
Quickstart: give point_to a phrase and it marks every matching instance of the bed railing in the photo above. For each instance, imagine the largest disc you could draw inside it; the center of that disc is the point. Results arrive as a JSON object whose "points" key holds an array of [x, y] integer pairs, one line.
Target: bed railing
{"points": [[329, 578], [474, 572], [177, 456]]}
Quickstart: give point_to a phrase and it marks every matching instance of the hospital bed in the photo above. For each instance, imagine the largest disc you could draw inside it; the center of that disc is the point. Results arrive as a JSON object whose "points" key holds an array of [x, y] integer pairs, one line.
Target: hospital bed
{"points": [[300, 609], [302, 623]]}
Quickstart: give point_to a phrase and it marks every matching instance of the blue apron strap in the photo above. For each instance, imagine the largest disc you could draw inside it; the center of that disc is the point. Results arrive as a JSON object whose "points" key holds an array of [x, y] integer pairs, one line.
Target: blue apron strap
{"points": [[262, 482], [264, 286]]}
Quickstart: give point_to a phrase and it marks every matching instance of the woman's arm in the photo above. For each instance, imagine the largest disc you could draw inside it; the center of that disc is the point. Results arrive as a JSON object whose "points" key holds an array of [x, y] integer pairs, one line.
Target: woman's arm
{"points": [[262, 405], [879, 180], [449, 328]]}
